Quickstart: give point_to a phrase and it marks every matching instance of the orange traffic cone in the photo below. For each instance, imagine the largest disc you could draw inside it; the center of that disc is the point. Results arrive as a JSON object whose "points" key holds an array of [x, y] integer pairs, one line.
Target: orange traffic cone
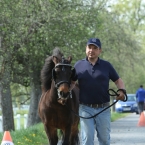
{"points": [[7, 140], [141, 121]]}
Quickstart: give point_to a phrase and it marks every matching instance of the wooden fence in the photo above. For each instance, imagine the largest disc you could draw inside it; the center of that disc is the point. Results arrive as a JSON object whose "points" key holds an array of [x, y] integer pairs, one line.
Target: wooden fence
{"points": [[20, 122]]}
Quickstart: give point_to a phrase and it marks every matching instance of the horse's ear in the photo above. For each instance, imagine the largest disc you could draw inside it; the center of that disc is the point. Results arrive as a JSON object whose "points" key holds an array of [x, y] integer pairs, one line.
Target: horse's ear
{"points": [[70, 59], [55, 60]]}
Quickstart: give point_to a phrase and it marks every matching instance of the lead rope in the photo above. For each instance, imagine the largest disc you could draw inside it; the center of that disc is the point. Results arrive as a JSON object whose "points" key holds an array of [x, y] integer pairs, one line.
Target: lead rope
{"points": [[115, 94]]}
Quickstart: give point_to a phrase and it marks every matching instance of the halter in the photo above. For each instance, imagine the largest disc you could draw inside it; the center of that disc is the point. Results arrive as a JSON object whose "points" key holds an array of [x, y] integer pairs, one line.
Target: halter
{"points": [[60, 96], [63, 69]]}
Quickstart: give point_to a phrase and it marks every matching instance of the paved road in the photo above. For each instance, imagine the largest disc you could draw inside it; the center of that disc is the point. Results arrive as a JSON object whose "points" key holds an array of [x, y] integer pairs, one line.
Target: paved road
{"points": [[126, 132]]}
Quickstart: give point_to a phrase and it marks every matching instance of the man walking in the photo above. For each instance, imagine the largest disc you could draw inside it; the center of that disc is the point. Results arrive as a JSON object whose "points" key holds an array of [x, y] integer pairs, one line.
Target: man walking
{"points": [[140, 95], [93, 75]]}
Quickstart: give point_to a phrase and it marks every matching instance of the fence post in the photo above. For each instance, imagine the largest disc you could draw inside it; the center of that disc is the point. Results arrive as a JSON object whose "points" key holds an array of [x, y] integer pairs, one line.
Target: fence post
{"points": [[18, 121], [25, 120], [1, 124], [18, 117]]}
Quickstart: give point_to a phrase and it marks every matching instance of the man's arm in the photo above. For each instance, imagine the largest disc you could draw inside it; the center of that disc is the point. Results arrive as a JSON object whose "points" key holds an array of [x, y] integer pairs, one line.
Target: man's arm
{"points": [[136, 93], [120, 85]]}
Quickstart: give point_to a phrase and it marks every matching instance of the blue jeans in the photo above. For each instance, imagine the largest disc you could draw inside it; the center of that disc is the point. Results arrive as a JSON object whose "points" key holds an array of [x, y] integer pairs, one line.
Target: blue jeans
{"points": [[100, 123]]}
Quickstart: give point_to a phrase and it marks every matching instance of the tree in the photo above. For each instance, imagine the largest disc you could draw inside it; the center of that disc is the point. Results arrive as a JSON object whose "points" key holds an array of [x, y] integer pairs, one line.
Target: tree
{"points": [[132, 17], [31, 29]]}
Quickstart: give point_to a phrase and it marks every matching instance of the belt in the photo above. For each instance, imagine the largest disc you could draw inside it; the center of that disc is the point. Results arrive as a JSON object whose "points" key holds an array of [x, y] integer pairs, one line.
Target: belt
{"points": [[96, 105]]}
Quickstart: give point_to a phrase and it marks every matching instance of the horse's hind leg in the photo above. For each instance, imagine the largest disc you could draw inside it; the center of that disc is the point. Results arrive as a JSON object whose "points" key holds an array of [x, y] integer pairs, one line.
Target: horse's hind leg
{"points": [[52, 135], [74, 139], [66, 136], [71, 137]]}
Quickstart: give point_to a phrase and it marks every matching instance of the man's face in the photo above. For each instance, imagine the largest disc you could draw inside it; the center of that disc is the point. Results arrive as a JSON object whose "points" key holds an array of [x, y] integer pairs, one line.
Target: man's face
{"points": [[92, 51]]}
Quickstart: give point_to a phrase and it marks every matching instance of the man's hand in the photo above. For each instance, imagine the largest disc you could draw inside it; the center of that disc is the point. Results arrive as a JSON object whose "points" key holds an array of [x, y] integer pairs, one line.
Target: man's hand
{"points": [[121, 96]]}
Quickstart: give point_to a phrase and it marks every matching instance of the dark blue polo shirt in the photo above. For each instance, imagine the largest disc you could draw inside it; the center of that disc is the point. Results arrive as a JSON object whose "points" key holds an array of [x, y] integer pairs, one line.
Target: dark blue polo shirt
{"points": [[94, 80]]}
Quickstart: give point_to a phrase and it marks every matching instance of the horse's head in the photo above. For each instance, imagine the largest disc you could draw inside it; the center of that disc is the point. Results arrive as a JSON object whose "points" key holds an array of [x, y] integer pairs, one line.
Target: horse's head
{"points": [[61, 75]]}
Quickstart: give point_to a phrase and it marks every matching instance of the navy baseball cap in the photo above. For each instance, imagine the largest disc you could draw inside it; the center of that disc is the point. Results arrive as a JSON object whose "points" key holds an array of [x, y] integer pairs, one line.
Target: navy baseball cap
{"points": [[94, 41]]}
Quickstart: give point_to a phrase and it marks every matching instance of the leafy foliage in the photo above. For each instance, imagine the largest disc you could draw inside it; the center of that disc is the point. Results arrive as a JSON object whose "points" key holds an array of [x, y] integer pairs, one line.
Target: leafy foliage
{"points": [[30, 30]]}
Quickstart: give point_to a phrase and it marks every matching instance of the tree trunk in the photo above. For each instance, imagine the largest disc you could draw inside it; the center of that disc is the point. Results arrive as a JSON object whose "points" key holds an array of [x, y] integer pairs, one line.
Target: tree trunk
{"points": [[0, 96], [33, 116], [6, 103]]}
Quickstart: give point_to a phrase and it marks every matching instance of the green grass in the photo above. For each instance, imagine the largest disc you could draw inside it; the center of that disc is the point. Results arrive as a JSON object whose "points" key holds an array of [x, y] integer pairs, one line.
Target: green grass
{"points": [[116, 116], [32, 136], [35, 135]]}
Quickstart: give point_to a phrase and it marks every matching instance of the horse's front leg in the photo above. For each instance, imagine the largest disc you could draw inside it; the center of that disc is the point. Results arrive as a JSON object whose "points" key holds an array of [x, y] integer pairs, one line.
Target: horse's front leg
{"points": [[51, 134]]}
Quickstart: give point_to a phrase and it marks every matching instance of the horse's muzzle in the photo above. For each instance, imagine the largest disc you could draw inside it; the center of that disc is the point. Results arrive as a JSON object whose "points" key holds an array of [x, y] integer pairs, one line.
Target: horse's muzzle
{"points": [[62, 100]]}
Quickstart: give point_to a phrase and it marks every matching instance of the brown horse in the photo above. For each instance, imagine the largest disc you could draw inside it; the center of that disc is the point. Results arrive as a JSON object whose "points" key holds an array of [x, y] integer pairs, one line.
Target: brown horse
{"points": [[58, 99]]}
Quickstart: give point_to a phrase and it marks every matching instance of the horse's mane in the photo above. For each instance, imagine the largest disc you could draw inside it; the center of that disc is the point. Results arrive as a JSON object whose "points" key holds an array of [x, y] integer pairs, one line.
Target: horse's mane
{"points": [[46, 72]]}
